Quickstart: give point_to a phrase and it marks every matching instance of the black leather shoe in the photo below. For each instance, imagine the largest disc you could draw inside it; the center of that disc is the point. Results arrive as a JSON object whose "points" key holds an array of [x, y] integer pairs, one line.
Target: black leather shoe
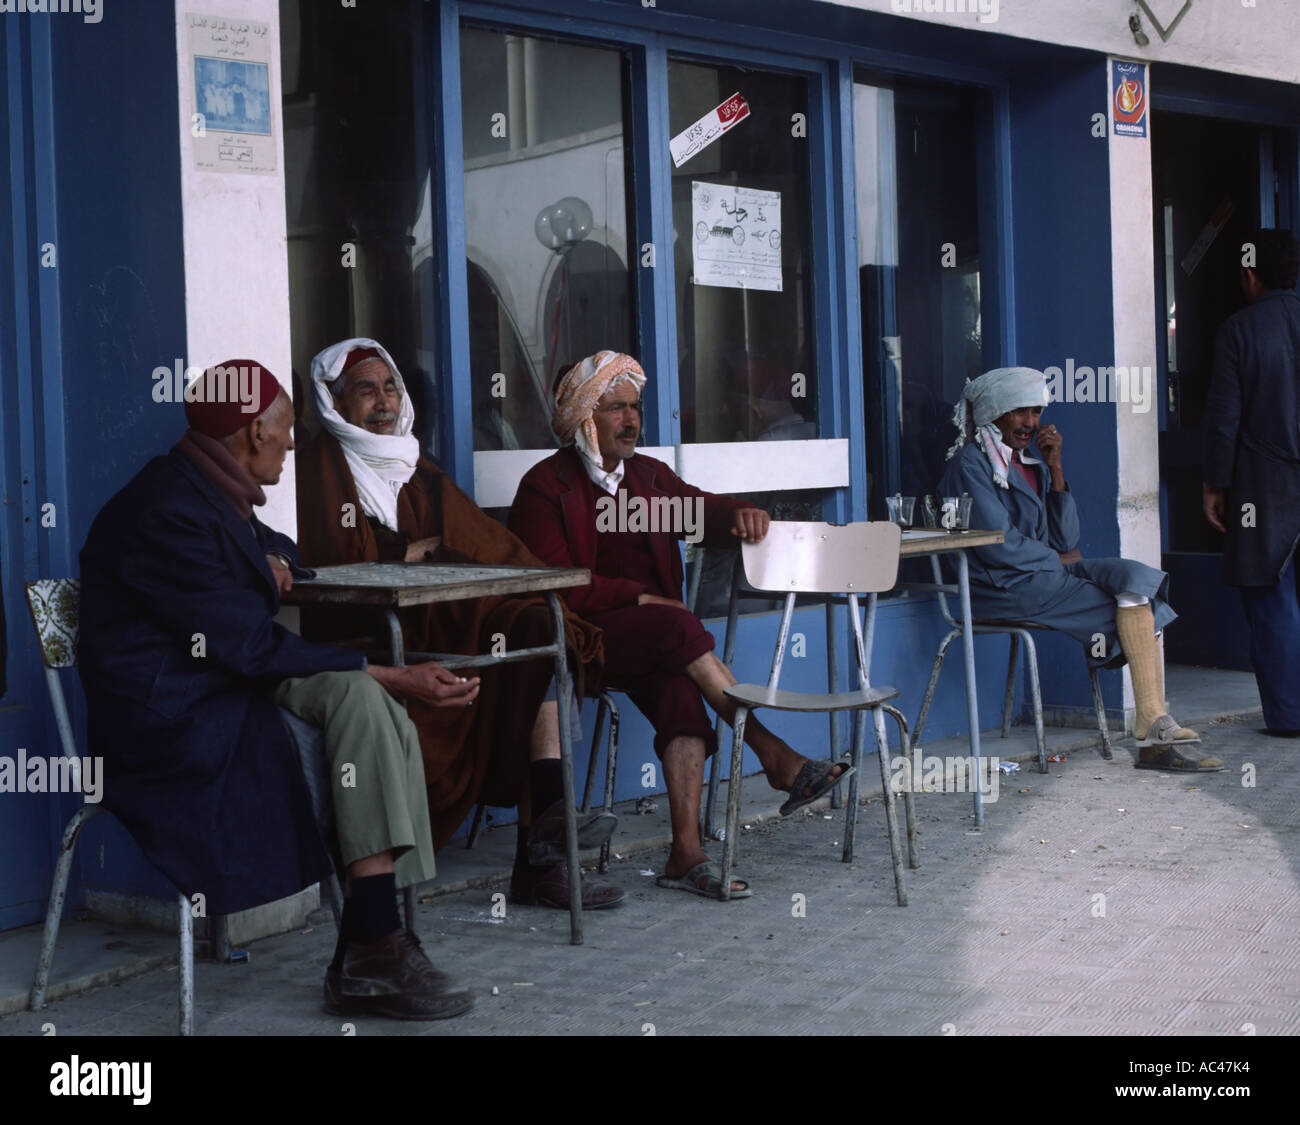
{"points": [[393, 977], [546, 833], [550, 887]]}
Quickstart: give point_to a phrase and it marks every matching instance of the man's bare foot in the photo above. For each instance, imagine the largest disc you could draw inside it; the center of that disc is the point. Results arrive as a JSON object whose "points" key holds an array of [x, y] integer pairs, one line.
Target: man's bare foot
{"points": [[677, 867], [790, 774]]}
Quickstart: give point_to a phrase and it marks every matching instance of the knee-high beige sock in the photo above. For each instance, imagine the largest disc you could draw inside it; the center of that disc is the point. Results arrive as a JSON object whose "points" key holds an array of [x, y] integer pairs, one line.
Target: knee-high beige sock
{"points": [[1136, 627]]}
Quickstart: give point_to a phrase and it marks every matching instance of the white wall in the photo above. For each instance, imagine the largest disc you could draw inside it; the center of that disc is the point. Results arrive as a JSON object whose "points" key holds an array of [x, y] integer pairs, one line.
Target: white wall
{"points": [[1133, 297], [236, 263], [1255, 37]]}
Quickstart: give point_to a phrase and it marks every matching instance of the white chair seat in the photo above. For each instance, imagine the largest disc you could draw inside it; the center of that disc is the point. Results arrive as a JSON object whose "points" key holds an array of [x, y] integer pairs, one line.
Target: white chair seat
{"points": [[759, 695]]}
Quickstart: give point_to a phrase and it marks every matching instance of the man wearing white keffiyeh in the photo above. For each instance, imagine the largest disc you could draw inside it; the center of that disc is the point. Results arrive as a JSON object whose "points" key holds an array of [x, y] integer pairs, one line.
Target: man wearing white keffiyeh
{"points": [[381, 452], [369, 458], [1114, 606]]}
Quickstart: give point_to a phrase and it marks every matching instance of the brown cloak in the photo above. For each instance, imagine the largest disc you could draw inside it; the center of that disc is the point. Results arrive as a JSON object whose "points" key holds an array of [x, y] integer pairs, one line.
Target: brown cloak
{"points": [[470, 755]]}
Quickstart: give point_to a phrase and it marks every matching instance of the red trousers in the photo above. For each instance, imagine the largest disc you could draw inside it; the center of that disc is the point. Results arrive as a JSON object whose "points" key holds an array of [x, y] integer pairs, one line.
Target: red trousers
{"points": [[647, 648]]}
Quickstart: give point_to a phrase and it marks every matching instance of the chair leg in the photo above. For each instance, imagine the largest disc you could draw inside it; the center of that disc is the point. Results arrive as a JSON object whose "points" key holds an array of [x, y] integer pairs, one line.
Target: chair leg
{"points": [[728, 658], [1099, 705], [219, 937], [928, 698], [730, 848], [408, 901], [333, 891], [601, 708], [891, 813], [833, 685], [851, 798], [1011, 685], [913, 860], [1031, 661], [711, 794], [474, 827], [185, 965], [58, 892], [611, 771]]}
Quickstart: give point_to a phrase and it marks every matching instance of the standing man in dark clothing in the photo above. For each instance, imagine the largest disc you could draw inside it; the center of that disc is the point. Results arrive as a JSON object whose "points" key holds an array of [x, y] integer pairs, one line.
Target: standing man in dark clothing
{"points": [[1252, 468]]}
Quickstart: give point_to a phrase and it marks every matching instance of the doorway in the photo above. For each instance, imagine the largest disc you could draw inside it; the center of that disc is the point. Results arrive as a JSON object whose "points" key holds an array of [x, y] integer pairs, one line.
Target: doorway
{"points": [[1207, 197]]}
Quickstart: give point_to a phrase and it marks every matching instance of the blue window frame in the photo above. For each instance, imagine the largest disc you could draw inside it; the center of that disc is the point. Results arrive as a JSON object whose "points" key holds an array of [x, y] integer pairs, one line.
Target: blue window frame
{"points": [[648, 51]]}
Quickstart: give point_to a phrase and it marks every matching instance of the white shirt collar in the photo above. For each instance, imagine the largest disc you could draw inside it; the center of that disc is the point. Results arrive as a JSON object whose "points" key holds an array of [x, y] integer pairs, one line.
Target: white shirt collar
{"points": [[609, 481]]}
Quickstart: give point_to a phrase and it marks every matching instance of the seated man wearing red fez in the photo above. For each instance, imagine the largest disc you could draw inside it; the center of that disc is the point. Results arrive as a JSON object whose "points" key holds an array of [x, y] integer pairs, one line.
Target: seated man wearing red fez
{"points": [[655, 648], [184, 673], [368, 495]]}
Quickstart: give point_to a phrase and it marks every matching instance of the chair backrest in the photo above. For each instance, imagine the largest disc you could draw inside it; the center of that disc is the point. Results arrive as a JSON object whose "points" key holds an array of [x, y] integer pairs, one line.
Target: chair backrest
{"points": [[55, 605], [824, 558]]}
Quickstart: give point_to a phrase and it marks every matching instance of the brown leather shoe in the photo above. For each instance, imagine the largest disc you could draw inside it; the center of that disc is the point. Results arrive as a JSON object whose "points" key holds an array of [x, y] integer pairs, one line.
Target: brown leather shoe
{"points": [[393, 978], [551, 888], [546, 842]]}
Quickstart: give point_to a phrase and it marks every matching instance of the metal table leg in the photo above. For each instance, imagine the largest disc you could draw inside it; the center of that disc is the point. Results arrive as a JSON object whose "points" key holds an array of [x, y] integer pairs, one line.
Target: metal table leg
{"points": [[397, 650], [972, 707], [563, 694]]}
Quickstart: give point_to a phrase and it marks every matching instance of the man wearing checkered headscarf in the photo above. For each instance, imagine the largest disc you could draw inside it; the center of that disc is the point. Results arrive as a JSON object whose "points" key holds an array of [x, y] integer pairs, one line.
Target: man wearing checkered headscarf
{"points": [[1114, 606], [656, 649]]}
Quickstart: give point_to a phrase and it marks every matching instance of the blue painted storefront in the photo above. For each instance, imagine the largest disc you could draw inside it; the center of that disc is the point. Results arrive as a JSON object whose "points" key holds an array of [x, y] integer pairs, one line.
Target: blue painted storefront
{"points": [[98, 176]]}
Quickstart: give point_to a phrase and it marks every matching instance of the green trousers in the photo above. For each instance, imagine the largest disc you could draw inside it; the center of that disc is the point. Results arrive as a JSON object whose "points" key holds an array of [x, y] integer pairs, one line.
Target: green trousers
{"points": [[376, 771]]}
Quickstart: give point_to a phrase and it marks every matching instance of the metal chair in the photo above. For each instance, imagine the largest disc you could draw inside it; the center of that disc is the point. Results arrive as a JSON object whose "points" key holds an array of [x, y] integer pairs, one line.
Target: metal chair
{"points": [[736, 594], [828, 559], [1019, 631], [606, 708], [55, 608]]}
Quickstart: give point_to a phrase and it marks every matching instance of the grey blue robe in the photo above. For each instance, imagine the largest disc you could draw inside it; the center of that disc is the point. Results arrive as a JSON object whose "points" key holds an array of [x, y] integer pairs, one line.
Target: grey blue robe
{"points": [[1023, 579]]}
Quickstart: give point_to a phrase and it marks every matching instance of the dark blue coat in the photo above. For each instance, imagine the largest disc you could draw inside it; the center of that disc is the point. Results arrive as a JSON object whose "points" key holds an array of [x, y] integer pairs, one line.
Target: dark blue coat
{"points": [[197, 763], [1252, 428]]}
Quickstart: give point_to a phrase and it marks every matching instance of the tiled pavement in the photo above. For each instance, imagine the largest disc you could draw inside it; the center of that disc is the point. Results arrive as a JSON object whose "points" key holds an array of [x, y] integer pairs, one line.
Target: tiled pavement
{"points": [[1099, 900]]}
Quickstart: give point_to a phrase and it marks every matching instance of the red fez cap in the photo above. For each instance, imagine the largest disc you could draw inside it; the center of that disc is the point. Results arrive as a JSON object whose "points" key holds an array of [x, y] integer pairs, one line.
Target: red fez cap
{"points": [[229, 396], [357, 355]]}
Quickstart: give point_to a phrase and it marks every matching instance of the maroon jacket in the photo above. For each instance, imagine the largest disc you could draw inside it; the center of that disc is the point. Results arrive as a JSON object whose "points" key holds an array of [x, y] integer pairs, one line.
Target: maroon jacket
{"points": [[554, 514]]}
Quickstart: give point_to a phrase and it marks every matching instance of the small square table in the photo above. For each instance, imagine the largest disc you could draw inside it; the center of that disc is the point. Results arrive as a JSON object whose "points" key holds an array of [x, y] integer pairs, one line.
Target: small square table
{"points": [[393, 586]]}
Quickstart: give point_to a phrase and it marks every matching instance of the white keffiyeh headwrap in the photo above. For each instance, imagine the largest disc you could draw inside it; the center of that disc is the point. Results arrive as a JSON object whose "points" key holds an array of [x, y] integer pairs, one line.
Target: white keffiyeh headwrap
{"points": [[989, 397], [575, 405], [380, 463]]}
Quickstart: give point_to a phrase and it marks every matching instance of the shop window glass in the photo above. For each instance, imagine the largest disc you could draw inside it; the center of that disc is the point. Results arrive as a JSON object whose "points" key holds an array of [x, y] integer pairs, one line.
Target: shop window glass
{"points": [[920, 271], [546, 218], [742, 241], [357, 187]]}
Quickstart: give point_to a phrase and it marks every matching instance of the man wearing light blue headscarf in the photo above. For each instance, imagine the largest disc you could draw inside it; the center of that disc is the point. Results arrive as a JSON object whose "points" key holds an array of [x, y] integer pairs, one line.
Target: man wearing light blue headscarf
{"points": [[1037, 574]]}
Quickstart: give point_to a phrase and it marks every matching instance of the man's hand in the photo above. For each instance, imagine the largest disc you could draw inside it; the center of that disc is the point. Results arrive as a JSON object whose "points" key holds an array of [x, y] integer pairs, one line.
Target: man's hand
{"points": [[429, 682], [655, 599], [282, 574], [1070, 556], [1212, 502], [751, 524], [1049, 442], [422, 550]]}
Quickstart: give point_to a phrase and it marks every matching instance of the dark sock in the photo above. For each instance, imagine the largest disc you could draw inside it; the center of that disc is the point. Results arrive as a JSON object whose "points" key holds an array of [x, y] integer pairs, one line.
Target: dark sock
{"points": [[547, 784], [370, 911], [521, 847]]}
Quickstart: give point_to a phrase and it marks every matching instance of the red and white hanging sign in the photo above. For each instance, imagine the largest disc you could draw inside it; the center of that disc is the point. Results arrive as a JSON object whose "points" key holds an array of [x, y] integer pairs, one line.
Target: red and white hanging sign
{"points": [[708, 129]]}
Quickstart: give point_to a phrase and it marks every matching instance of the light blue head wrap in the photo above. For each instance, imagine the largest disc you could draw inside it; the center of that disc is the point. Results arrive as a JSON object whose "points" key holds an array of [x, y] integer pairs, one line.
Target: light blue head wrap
{"points": [[989, 397]]}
